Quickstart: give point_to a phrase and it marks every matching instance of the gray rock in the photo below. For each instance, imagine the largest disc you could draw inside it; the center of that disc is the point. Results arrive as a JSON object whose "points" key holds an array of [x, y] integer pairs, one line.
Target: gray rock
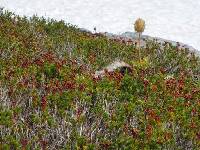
{"points": [[122, 66], [85, 30], [134, 36]]}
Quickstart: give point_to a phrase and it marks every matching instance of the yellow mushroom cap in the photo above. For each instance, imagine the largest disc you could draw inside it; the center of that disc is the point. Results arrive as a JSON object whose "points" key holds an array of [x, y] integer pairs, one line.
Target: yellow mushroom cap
{"points": [[139, 25]]}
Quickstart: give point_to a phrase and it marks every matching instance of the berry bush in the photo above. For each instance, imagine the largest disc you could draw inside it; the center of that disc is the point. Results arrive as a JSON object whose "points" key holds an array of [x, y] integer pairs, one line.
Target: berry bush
{"points": [[50, 98]]}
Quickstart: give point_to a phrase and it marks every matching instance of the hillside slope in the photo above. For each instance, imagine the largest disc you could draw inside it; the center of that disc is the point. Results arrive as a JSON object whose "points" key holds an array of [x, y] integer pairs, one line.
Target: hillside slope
{"points": [[176, 20], [50, 98]]}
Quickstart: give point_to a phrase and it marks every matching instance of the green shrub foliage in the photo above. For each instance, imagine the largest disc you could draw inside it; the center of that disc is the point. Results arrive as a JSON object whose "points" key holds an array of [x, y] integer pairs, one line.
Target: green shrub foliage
{"points": [[50, 98]]}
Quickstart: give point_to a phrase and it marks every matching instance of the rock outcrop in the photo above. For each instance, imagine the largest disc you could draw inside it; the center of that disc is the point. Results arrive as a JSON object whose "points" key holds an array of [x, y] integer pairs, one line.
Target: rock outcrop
{"points": [[116, 65]]}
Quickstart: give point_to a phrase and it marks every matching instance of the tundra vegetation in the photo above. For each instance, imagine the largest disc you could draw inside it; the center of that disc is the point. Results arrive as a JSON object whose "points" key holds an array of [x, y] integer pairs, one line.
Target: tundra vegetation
{"points": [[50, 98]]}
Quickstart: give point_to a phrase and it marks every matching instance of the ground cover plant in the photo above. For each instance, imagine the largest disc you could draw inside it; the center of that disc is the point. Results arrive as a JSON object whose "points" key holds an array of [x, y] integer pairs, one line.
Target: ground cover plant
{"points": [[50, 99]]}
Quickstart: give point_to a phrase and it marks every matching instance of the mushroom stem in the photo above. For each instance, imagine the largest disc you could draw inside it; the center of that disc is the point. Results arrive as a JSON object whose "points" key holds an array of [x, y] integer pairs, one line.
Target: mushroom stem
{"points": [[139, 44]]}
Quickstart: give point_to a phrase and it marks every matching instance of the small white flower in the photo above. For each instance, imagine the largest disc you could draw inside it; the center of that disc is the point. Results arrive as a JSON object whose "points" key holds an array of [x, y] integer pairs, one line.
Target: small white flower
{"points": [[169, 77]]}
